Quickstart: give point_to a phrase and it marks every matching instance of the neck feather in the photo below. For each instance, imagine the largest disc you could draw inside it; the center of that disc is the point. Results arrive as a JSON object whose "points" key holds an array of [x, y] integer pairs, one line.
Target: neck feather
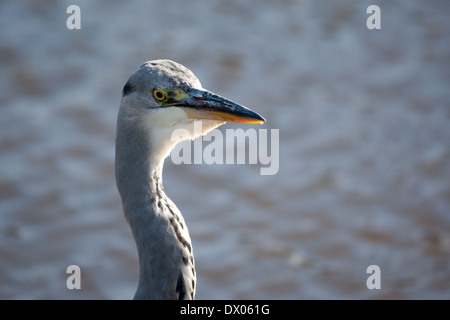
{"points": [[164, 248]]}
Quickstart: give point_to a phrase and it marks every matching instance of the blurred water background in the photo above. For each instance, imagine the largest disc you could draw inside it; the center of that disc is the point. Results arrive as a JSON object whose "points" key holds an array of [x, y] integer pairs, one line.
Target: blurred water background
{"points": [[363, 117]]}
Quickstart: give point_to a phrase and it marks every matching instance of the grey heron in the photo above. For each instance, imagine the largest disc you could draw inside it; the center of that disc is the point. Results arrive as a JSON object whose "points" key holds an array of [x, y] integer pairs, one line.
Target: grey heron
{"points": [[160, 97]]}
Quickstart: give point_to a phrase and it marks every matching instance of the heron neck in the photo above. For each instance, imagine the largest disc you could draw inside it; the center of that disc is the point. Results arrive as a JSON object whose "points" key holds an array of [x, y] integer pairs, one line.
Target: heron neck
{"points": [[150, 214]]}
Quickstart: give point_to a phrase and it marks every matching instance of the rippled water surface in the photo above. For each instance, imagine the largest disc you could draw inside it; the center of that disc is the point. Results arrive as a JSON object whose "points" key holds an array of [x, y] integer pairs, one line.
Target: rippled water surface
{"points": [[364, 157]]}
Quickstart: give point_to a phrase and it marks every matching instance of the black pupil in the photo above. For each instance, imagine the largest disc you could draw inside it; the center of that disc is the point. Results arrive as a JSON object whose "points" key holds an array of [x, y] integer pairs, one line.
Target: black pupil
{"points": [[159, 95]]}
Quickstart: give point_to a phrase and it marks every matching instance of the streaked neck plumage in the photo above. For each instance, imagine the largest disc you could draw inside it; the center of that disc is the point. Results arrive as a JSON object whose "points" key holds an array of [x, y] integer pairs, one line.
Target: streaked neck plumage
{"points": [[164, 248]]}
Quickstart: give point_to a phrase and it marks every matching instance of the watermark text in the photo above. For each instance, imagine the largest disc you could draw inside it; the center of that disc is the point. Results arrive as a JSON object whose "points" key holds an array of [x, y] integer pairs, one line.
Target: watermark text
{"points": [[263, 148]]}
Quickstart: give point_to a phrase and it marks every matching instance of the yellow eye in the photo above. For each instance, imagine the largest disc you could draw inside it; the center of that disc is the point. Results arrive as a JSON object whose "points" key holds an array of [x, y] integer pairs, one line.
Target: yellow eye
{"points": [[159, 94]]}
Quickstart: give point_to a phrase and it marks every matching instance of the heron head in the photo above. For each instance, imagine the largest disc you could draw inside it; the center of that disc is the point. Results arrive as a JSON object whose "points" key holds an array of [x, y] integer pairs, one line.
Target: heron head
{"points": [[164, 95]]}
